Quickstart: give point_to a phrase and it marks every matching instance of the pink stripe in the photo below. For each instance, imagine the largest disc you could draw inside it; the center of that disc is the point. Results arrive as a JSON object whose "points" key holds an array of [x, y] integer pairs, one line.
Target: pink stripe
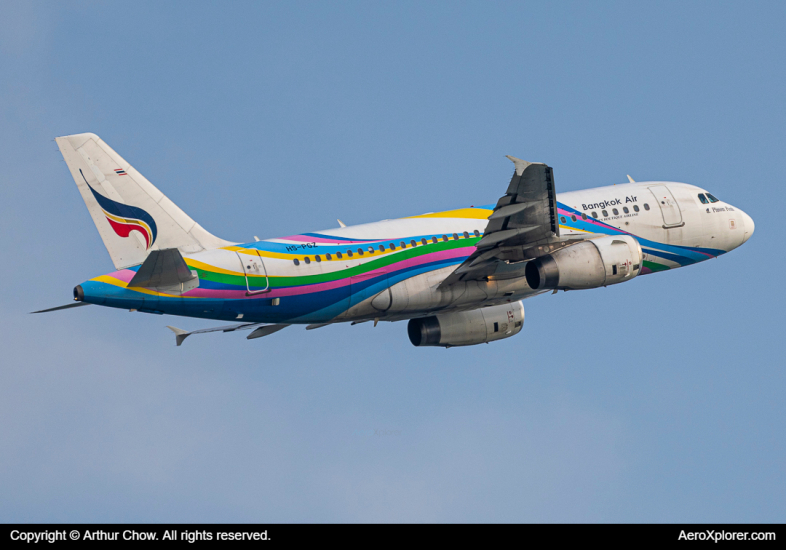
{"points": [[427, 258], [124, 275]]}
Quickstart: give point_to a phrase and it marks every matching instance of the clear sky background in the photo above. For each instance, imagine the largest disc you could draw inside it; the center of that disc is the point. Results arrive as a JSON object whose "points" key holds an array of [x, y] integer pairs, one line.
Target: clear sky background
{"points": [[660, 400]]}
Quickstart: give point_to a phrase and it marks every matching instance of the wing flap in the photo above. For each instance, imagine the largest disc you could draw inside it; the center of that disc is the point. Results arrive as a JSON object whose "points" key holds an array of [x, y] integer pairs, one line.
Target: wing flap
{"points": [[260, 330], [523, 222]]}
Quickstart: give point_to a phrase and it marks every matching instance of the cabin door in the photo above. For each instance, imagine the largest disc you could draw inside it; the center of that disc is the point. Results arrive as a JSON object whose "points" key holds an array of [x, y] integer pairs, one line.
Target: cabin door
{"points": [[672, 217], [256, 275]]}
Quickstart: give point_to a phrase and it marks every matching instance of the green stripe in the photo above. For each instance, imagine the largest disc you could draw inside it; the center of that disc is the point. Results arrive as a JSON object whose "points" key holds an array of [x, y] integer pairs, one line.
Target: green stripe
{"points": [[655, 266]]}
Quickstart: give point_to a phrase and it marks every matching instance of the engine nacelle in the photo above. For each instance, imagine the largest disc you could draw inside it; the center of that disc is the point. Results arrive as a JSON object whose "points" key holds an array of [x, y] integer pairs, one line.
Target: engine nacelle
{"points": [[467, 328], [588, 264]]}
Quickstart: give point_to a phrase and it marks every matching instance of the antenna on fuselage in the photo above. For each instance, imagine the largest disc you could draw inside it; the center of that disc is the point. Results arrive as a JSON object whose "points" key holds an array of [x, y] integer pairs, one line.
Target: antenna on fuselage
{"points": [[630, 179], [342, 224]]}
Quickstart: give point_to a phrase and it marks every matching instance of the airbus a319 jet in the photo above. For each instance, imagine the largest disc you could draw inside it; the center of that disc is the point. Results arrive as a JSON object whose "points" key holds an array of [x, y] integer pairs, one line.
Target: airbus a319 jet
{"points": [[458, 276]]}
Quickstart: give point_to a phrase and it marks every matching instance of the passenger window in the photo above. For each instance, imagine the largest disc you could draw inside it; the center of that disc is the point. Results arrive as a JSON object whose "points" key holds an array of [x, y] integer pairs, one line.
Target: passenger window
{"points": [[625, 209], [413, 243], [444, 238], [423, 241], [403, 244], [297, 262], [477, 233], [382, 247], [339, 255], [646, 206], [605, 214], [712, 199], [595, 215], [615, 211], [349, 253], [562, 219], [317, 258], [434, 240], [583, 216], [455, 237], [466, 235], [703, 199], [360, 251], [635, 207], [307, 260], [573, 218], [328, 257]]}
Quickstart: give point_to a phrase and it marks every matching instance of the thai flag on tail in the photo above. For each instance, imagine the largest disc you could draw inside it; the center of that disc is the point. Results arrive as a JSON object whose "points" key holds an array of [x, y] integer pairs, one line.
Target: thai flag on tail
{"points": [[120, 172]]}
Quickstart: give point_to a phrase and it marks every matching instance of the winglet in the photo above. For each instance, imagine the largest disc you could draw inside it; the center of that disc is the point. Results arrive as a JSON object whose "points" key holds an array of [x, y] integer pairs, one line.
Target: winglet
{"points": [[342, 224], [180, 334], [630, 179]]}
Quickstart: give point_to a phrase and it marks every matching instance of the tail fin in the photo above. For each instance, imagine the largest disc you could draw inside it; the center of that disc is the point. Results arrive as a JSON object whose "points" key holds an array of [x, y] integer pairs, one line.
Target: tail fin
{"points": [[131, 215]]}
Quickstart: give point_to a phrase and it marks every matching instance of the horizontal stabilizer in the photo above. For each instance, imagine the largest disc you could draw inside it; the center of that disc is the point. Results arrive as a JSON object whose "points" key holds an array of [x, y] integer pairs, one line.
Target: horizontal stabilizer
{"points": [[164, 268], [67, 306], [261, 330]]}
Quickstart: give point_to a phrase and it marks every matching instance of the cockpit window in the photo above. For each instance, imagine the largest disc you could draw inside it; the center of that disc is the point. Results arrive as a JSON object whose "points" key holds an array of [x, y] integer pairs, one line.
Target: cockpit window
{"points": [[712, 199], [703, 199]]}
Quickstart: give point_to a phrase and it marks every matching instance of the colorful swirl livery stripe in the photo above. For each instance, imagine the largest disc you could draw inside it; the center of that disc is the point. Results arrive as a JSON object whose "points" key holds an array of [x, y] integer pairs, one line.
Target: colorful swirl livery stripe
{"points": [[680, 255], [313, 295], [124, 218]]}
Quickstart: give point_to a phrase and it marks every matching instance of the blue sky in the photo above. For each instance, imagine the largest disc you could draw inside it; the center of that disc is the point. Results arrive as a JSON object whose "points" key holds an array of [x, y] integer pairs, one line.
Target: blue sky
{"points": [[663, 399]]}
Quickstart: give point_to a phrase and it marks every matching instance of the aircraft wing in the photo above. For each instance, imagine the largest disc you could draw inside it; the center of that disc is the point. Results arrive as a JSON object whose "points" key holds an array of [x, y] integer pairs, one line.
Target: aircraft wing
{"points": [[524, 225]]}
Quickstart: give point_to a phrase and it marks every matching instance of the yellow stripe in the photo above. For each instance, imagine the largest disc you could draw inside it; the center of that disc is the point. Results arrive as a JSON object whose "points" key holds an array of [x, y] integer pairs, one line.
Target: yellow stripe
{"points": [[122, 284], [472, 213], [207, 267], [574, 229]]}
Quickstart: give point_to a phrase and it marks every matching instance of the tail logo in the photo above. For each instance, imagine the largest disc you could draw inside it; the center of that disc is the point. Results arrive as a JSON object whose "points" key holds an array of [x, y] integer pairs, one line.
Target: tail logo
{"points": [[124, 218]]}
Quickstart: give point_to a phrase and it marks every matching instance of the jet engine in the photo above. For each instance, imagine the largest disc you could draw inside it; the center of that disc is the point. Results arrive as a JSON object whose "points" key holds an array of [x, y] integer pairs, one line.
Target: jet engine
{"points": [[467, 328], [588, 264]]}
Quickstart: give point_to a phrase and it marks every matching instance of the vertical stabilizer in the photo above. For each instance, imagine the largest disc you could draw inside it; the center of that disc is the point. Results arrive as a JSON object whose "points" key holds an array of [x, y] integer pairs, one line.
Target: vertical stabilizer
{"points": [[131, 215]]}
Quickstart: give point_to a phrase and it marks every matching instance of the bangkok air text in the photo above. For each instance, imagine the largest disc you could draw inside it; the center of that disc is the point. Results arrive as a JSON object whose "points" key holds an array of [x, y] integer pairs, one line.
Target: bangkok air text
{"points": [[604, 204]]}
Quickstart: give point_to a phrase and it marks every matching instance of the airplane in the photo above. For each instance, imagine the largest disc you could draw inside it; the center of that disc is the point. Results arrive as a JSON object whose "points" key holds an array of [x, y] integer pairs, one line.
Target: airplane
{"points": [[458, 277]]}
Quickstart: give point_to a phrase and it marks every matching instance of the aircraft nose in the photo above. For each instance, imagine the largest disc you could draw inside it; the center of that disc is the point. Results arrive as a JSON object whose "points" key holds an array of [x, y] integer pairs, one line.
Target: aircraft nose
{"points": [[748, 225]]}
